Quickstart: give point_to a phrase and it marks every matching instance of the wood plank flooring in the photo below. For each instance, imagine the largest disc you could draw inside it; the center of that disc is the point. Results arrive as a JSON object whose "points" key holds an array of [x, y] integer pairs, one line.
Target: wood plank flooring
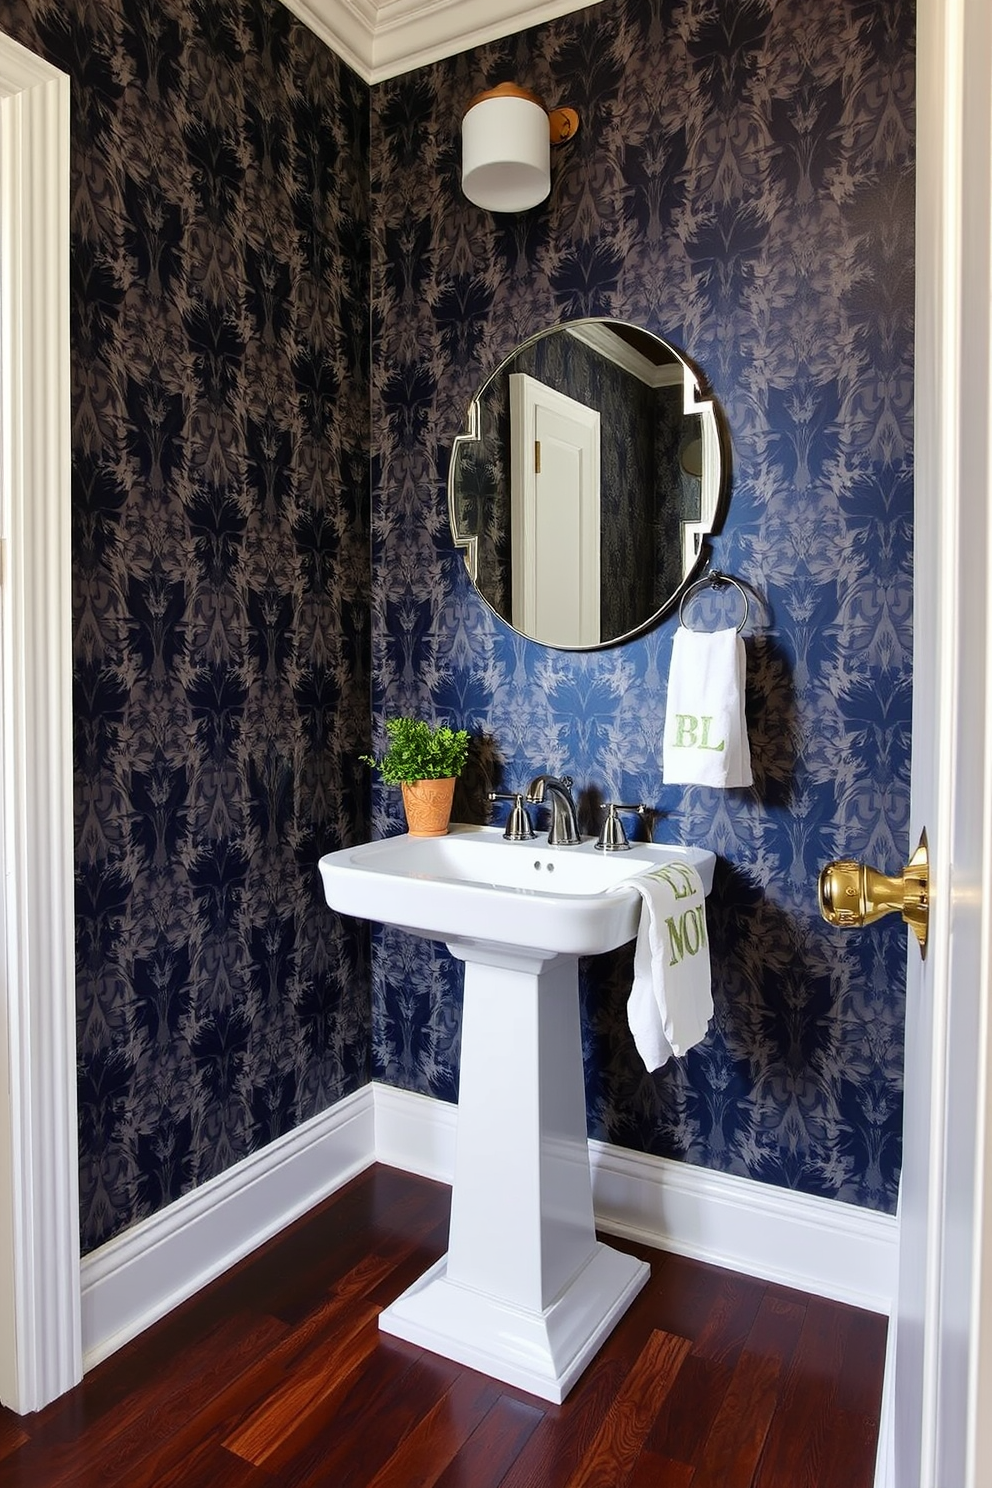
{"points": [[277, 1375]]}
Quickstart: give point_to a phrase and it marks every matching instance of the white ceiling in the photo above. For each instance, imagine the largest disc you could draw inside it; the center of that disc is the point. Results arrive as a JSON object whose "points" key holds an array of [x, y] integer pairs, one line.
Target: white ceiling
{"points": [[380, 40]]}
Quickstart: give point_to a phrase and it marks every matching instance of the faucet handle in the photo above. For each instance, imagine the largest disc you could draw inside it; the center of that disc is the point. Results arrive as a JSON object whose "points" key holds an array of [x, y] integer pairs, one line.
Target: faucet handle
{"points": [[519, 827], [612, 837]]}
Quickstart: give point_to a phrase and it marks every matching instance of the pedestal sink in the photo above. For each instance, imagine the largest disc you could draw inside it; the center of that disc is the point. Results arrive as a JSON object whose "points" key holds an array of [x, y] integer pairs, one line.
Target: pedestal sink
{"points": [[525, 1293]]}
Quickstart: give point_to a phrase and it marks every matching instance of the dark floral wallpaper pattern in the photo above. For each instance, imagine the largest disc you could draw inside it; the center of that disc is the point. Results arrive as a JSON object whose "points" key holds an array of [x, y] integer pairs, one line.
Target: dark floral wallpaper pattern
{"points": [[742, 184], [220, 285]]}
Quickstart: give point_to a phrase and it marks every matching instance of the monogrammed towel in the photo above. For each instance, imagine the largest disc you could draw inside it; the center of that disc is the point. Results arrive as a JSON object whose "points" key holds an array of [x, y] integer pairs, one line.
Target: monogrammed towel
{"points": [[705, 734], [670, 1003]]}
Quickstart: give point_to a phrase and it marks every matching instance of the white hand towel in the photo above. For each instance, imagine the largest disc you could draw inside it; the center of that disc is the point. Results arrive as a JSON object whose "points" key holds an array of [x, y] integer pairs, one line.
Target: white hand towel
{"points": [[670, 1003], [705, 733]]}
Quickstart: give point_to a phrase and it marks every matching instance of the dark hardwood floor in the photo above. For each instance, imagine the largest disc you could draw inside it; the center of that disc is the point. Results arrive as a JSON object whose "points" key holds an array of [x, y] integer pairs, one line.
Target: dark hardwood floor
{"points": [[276, 1374]]}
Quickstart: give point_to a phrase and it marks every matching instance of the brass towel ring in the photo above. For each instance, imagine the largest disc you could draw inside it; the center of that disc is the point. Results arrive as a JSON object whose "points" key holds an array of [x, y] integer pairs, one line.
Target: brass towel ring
{"points": [[716, 580]]}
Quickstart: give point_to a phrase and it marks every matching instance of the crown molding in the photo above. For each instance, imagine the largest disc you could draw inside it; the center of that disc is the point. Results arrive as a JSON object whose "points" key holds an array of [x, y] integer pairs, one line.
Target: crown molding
{"points": [[381, 41], [346, 26]]}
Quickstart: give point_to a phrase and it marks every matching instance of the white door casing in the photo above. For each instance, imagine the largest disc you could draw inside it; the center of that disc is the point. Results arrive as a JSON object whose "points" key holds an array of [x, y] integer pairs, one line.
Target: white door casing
{"points": [[40, 1353], [942, 1438]]}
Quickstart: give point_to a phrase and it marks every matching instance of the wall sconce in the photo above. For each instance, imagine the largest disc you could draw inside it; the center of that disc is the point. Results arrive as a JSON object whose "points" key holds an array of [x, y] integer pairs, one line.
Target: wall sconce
{"points": [[507, 135]]}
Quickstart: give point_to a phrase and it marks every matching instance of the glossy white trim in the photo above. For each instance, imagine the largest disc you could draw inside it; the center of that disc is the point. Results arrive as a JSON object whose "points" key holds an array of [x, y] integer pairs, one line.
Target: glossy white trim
{"points": [[140, 1275], [940, 1431], [381, 41], [415, 1133], [816, 1245], [39, 1207]]}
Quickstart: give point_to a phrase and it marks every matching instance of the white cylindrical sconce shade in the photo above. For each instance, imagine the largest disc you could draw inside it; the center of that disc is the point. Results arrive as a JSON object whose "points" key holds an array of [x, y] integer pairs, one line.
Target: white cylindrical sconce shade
{"points": [[506, 150]]}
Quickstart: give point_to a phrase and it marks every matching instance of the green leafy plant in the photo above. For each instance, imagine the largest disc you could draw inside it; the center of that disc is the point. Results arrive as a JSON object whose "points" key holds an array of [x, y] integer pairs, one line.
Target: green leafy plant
{"points": [[420, 751]]}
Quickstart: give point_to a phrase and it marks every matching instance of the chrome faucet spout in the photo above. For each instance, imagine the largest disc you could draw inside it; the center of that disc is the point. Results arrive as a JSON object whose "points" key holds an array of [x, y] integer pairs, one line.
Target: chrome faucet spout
{"points": [[564, 829]]}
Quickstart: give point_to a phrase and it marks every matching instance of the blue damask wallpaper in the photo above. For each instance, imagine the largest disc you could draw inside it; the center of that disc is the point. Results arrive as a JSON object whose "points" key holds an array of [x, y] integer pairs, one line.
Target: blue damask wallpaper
{"points": [[220, 291], [742, 184]]}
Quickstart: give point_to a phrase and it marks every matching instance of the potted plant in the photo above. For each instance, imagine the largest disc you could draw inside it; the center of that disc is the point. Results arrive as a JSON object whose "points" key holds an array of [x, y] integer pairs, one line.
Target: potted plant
{"points": [[424, 760]]}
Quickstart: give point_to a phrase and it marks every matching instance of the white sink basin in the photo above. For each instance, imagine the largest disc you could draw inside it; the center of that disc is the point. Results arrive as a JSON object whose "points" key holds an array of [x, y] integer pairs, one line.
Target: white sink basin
{"points": [[473, 885]]}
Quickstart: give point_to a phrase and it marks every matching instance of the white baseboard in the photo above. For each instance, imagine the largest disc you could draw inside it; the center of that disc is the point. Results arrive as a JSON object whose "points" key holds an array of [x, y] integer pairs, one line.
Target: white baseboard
{"points": [[415, 1133], [136, 1278], [816, 1245]]}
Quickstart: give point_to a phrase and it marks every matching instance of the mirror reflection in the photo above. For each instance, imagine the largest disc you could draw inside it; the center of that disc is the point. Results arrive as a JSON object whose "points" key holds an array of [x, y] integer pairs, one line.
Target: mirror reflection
{"points": [[589, 474]]}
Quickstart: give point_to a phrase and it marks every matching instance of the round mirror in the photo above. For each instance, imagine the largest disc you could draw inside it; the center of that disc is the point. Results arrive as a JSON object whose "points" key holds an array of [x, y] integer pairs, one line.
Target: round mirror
{"points": [[588, 477]]}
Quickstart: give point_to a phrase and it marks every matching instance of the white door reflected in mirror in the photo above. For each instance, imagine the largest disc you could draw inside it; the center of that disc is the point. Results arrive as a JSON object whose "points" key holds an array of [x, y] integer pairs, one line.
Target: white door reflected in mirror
{"points": [[555, 486], [663, 480]]}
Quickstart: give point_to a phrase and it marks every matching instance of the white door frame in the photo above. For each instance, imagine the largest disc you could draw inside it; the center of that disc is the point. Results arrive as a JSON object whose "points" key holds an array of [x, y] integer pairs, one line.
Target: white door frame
{"points": [[40, 1350], [540, 589], [943, 1368]]}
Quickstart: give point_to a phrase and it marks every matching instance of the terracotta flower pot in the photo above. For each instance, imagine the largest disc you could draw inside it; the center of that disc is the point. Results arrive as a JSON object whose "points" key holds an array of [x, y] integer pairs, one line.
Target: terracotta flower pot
{"points": [[428, 806]]}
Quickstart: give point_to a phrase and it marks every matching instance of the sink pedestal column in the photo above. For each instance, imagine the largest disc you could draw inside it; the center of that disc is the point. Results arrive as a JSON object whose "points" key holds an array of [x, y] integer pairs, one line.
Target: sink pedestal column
{"points": [[525, 1292]]}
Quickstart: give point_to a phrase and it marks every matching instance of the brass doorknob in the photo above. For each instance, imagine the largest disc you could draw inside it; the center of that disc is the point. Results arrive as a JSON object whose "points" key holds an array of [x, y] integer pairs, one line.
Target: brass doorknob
{"points": [[853, 894]]}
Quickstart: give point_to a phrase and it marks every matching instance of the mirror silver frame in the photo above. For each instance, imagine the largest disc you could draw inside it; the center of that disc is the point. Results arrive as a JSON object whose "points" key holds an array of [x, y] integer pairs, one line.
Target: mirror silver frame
{"points": [[713, 473]]}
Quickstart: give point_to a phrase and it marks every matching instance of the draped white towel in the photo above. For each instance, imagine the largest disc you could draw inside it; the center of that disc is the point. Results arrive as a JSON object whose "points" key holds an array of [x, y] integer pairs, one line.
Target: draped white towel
{"points": [[705, 734], [670, 1003]]}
